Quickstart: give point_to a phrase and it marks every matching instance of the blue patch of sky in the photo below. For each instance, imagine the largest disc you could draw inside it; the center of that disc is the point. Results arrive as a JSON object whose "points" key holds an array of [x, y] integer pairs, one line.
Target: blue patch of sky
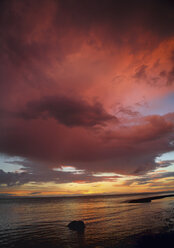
{"points": [[10, 164], [160, 106], [169, 156]]}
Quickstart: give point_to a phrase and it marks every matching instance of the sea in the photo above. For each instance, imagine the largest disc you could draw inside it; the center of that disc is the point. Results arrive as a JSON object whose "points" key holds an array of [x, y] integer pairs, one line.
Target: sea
{"points": [[110, 222]]}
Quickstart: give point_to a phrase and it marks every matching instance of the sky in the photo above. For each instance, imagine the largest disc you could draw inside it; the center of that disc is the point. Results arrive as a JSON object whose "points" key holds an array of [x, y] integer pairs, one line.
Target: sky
{"points": [[86, 97]]}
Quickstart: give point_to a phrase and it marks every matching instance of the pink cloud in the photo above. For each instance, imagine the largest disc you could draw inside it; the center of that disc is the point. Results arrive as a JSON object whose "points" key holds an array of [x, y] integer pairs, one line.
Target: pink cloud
{"points": [[73, 77]]}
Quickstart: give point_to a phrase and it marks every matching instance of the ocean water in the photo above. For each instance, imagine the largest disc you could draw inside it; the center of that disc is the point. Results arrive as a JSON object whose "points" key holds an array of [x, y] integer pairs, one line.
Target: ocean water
{"points": [[110, 222]]}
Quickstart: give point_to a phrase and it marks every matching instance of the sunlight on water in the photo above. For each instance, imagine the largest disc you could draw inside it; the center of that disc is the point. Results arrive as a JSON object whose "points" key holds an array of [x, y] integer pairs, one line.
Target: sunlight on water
{"points": [[110, 221]]}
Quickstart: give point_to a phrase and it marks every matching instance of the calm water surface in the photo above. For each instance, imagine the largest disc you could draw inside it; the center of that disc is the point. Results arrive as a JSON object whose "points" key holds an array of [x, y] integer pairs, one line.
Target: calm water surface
{"points": [[110, 221]]}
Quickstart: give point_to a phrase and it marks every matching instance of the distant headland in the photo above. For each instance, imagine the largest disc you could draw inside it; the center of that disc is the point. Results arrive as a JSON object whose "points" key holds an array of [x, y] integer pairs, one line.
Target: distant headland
{"points": [[149, 199]]}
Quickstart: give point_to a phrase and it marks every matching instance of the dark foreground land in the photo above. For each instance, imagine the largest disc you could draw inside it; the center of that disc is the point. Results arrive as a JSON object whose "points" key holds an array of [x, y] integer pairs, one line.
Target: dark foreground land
{"points": [[149, 199], [156, 240]]}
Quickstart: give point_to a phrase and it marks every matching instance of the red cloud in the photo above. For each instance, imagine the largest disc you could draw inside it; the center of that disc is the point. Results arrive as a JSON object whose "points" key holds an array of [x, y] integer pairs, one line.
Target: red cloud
{"points": [[68, 111], [67, 66]]}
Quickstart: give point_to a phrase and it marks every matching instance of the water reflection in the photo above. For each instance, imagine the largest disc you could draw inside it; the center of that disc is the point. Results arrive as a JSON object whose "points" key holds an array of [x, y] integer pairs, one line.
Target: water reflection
{"points": [[109, 221]]}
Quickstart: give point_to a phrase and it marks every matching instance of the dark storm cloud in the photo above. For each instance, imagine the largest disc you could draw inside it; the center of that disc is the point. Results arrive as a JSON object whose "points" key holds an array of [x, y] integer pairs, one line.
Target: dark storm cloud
{"points": [[68, 111], [64, 48], [18, 20], [130, 149], [153, 15]]}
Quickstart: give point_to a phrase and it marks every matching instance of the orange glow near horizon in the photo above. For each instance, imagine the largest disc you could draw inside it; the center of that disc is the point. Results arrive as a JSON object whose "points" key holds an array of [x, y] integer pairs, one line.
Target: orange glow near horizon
{"points": [[121, 185]]}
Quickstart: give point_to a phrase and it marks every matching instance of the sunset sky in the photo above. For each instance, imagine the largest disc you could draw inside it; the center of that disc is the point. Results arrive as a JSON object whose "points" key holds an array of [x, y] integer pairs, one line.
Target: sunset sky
{"points": [[86, 97]]}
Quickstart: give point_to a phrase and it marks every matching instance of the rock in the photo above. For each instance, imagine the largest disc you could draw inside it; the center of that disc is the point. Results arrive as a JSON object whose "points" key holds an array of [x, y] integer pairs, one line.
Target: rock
{"points": [[77, 225]]}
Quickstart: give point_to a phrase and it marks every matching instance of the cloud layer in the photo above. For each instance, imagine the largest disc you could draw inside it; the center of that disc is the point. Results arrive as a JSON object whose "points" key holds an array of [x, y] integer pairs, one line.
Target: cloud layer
{"points": [[76, 79], [69, 112]]}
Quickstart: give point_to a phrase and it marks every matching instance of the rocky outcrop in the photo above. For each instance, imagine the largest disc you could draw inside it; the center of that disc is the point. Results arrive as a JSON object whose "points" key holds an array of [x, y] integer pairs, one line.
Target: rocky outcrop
{"points": [[77, 225]]}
